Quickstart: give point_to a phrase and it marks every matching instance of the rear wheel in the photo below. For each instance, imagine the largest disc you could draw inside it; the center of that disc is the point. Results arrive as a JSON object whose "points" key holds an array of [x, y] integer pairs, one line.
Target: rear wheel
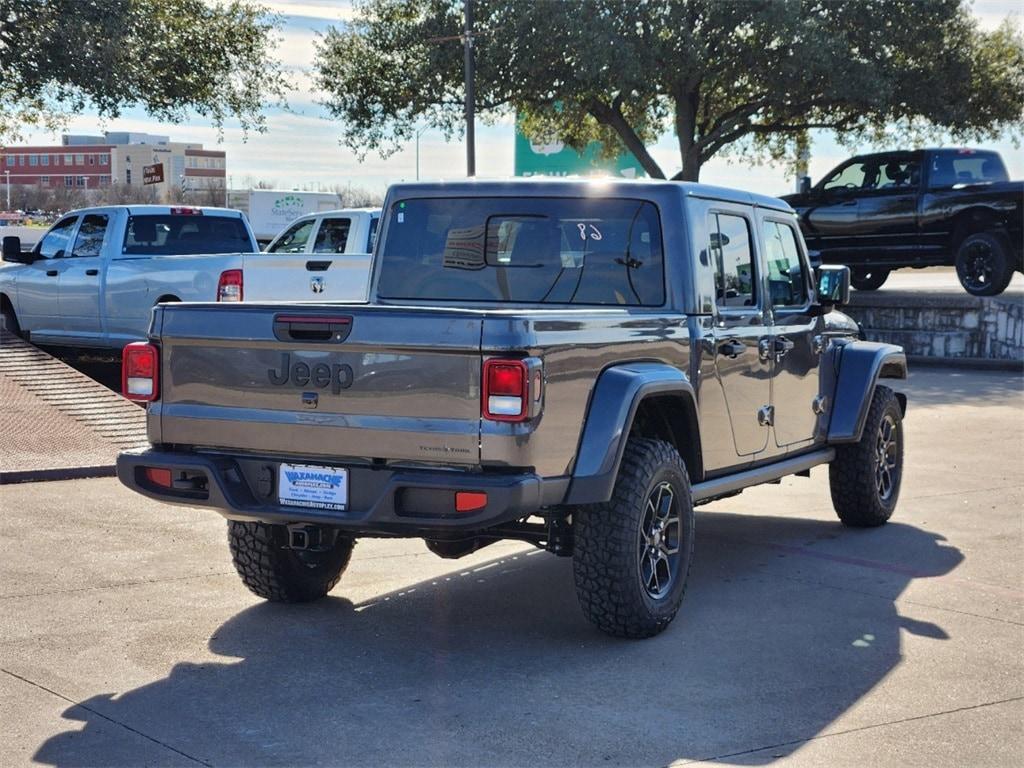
{"points": [[865, 476], [868, 278], [632, 554], [983, 264], [274, 572]]}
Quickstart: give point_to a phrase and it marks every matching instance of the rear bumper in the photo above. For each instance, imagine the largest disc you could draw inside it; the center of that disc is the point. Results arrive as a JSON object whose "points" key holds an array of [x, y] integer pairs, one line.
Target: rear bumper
{"points": [[388, 501]]}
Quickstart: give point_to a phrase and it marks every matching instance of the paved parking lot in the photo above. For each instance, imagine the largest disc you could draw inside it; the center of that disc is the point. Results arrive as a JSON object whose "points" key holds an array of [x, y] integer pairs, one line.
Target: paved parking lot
{"points": [[127, 639]]}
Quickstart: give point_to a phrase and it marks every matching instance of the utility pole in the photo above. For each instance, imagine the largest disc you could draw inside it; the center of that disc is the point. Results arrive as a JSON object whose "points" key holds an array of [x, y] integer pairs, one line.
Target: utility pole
{"points": [[467, 46]]}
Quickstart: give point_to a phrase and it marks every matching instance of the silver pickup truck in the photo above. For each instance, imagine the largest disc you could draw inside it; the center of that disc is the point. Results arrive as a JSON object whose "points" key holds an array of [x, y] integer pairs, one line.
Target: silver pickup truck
{"points": [[95, 276], [572, 364]]}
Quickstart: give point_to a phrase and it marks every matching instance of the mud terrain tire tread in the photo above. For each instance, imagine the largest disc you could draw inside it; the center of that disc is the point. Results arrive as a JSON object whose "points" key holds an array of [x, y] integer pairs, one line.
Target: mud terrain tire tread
{"points": [[852, 473], [605, 550], [275, 573]]}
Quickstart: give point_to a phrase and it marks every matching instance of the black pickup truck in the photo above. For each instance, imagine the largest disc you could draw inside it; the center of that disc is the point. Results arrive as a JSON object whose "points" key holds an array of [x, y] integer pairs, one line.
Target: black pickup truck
{"points": [[928, 207]]}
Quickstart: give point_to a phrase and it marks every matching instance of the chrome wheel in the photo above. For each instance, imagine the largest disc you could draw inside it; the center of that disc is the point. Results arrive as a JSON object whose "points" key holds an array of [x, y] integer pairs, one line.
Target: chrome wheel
{"points": [[660, 541], [887, 458]]}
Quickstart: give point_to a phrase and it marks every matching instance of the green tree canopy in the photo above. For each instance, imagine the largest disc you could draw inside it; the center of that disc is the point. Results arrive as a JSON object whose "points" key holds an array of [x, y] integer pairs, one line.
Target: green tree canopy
{"points": [[175, 58], [747, 76]]}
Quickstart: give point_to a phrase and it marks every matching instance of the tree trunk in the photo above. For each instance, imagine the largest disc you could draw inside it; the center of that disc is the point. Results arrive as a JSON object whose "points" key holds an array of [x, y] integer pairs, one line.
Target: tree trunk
{"points": [[612, 117], [687, 102]]}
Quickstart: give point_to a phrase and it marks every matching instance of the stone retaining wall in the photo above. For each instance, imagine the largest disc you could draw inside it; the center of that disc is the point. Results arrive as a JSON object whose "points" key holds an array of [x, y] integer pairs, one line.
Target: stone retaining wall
{"points": [[947, 326]]}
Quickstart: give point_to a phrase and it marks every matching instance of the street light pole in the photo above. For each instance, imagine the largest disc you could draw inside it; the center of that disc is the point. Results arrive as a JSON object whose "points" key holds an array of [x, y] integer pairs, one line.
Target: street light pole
{"points": [[467, 45], [7, 178]]}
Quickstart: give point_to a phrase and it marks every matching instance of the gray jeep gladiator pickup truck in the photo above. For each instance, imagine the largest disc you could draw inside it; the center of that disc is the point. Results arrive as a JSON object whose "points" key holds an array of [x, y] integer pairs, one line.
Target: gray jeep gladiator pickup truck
{"points": [[573, 364]]}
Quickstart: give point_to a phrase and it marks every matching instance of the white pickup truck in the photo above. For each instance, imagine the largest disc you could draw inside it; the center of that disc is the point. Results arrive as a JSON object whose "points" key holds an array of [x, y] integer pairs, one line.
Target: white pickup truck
{"points": [[95, 276]]}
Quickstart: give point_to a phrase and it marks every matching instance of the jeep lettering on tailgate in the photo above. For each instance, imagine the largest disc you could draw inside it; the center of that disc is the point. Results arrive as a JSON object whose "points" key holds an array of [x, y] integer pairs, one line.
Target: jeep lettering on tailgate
{"points": [[319, 375]]}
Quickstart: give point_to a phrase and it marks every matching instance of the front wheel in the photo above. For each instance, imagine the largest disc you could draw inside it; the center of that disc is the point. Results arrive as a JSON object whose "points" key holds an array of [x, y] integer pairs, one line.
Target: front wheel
{"points": [[865, 476], [274, 572], [868, 279], [9, 321], [632, 554], [983, 264]]}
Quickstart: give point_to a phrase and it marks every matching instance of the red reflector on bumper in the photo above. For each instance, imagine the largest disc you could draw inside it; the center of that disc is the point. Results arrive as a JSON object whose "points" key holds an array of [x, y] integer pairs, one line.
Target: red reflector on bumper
{"points": [[470, 501], [161, 477]]}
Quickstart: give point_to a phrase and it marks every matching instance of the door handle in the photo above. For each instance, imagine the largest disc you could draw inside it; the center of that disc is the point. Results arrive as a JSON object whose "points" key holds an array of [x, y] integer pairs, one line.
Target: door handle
{"points": [[849, 203], [51, 273], [732, 348], [92, 272]]}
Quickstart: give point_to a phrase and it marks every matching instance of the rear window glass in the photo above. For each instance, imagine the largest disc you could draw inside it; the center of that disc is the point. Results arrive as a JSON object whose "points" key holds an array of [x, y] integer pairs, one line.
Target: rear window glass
{"points": [[524, 250], [169, 235]]}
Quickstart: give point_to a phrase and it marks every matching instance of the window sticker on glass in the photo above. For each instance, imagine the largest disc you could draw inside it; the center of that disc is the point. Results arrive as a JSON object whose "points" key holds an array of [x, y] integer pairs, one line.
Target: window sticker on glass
{"points": [[589, 230], [464, 248]]}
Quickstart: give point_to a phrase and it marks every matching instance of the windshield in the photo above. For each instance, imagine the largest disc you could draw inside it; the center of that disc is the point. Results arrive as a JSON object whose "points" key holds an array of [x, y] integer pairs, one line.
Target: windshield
{"points": [[524, 250], [181, 235]]}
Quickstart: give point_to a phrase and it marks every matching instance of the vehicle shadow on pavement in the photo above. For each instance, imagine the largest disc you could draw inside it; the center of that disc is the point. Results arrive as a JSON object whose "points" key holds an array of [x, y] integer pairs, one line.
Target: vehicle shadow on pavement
{"points": [[786, 625]]}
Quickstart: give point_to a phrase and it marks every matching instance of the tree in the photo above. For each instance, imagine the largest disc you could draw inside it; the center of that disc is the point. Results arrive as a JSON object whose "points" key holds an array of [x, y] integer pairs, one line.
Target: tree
{"points": [[175, 58], [741, 76]]}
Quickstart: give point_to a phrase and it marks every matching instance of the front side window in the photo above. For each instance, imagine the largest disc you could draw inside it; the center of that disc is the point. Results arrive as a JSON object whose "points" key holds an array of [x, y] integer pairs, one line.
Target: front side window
{"points": [[55, 242], [787, 282], [332, 236], [734, 261], [847, 177], [294, 239], [90, 235], [524, 250]]}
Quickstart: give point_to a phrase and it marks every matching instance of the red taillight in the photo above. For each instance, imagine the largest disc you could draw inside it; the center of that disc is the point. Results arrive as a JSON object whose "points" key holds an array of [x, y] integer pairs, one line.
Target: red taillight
{"points": [[230, 285], [470, 501], [157, 476], [140, 372], [505, 390], [179, 211]]}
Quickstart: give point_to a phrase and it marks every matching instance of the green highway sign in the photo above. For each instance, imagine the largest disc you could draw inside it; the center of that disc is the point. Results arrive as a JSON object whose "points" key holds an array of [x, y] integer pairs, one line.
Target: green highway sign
{"points": [[557, 159]]}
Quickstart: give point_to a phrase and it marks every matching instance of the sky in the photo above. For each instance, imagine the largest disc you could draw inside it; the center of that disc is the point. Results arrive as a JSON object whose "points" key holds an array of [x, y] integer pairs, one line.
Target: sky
{"points": [[301, 148]]}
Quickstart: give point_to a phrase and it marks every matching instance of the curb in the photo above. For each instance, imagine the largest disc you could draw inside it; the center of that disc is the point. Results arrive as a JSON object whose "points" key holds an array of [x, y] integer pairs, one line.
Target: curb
{"points": [[61, 473]]}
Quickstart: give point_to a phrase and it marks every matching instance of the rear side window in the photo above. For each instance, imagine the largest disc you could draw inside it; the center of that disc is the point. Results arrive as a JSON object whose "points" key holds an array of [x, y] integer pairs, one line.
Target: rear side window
{"points": [[786, 279], [524, 250], [181, 235], [735, 284], [90, 235], [966, 167], [332, 236]]}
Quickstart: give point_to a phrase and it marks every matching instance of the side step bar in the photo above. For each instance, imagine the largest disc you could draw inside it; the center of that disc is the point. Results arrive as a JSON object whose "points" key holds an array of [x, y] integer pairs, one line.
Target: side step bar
{"points": [[720, 486]]}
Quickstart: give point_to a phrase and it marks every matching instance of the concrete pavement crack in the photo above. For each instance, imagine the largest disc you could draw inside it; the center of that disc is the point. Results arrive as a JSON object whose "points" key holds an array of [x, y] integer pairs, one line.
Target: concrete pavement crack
{"points": [[847, 731], [109, 719]]}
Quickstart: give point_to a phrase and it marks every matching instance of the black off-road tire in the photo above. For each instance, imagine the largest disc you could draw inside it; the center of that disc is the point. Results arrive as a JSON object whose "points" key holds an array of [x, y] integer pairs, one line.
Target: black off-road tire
{"points": [[868, 278], [607, 556], [283, 575], [988, 254], [854, 475]]}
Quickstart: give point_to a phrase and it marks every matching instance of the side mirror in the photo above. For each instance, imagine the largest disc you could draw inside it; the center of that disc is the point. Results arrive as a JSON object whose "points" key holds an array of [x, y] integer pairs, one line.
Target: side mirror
{"points": [[805, 185], [833, 285], [12, 251]]}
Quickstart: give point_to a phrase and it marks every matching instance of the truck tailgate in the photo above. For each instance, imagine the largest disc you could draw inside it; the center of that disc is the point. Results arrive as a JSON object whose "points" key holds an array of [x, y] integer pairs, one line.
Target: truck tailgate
{"points": [[334, 381], [306, 276]]}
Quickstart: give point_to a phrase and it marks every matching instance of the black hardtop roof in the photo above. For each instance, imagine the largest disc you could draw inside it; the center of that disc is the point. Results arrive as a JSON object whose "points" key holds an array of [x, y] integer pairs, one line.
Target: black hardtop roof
{"points": [[655, 190]]}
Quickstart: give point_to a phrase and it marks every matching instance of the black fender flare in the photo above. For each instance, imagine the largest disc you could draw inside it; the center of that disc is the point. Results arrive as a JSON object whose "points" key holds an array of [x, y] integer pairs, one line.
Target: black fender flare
{"points": [[613, 405], [860, 365]]}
